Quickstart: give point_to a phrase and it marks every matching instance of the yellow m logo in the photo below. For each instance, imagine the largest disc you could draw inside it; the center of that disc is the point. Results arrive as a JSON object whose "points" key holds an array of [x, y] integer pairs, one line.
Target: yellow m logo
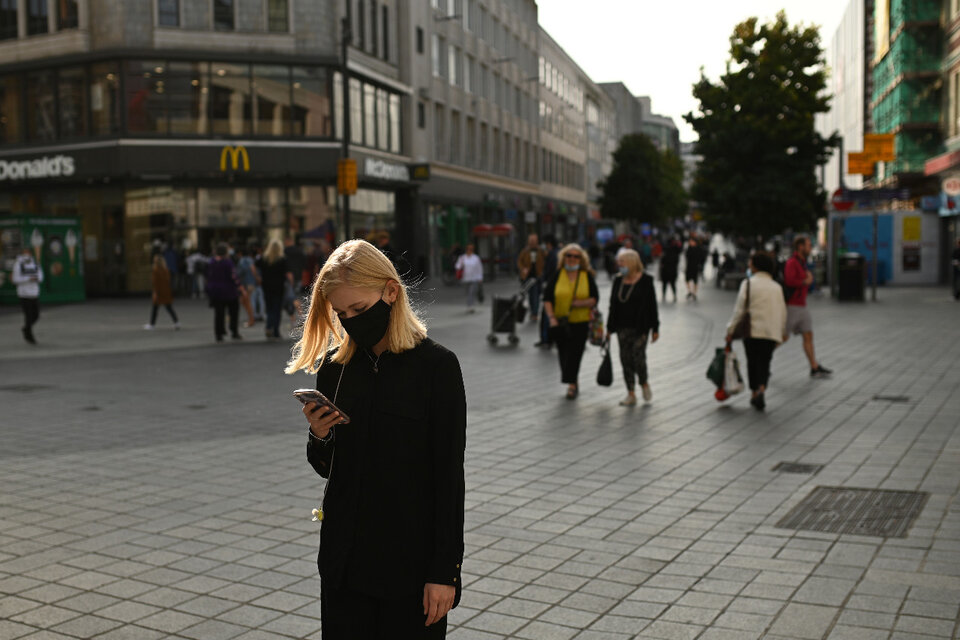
{"points": [[235, 154]]}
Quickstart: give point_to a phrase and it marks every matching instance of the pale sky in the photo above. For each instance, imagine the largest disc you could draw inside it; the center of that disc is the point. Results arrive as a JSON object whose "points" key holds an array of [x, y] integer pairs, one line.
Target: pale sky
{"points": [[656, 47]]}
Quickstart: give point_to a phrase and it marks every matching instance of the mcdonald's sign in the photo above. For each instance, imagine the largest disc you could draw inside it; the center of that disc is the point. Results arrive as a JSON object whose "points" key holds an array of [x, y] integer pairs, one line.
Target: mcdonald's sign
{"points": [[234, 153]]}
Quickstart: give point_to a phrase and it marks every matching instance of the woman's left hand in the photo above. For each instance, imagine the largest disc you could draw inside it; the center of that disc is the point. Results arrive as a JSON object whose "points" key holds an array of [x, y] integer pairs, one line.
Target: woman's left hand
{"points": [[654, 337], [437, 601]]}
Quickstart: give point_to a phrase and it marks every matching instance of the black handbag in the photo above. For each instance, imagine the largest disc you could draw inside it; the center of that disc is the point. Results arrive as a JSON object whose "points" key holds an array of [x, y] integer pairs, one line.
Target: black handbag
{"points": [[605, 372]]}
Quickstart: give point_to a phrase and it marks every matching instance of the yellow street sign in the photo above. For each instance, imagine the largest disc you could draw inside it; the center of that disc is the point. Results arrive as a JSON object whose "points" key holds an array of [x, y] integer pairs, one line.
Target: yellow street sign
{"points": [[346, 176], [879, 147], [859, 163], [235, 154]]}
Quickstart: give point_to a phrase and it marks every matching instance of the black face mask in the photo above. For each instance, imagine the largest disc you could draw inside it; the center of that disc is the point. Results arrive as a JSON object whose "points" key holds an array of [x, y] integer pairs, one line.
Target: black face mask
{"points": [[368, 328]]}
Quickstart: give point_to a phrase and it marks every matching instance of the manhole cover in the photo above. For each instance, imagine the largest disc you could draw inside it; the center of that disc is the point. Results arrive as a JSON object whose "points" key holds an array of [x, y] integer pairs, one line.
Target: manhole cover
{"points": [[892, 398], [863, 512], [797, 467]]}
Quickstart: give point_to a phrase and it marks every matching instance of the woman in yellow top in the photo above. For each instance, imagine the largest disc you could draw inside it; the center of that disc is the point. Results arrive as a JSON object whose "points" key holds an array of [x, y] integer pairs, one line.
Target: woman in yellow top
{"points": [[568, 300]]}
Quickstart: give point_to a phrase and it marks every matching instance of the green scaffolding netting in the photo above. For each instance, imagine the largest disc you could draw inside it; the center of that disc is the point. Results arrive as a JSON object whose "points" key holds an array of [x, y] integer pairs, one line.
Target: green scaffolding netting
{"points": [[914, 50]]}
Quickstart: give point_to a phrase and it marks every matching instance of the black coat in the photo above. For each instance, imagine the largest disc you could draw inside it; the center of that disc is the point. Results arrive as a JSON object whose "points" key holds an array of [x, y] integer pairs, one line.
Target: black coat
{"points": [[393, 515], [638, 311]]}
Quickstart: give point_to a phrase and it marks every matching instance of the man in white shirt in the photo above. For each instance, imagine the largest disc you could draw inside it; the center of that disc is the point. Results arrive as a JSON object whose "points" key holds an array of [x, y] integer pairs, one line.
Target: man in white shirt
{"points": [[28, 275]]}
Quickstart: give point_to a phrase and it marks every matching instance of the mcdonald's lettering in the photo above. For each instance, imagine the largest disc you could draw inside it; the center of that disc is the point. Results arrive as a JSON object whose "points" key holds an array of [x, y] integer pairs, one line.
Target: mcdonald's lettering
{"points": [[235, 153]]}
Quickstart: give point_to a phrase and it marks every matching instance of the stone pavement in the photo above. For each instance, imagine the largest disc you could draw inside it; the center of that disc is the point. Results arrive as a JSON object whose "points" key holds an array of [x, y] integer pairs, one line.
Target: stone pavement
{"points": [[154, 485]]}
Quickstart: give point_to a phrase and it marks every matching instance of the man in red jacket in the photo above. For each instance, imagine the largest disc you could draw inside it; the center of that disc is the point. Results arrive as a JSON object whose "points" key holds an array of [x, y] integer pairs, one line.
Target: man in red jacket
{"points": [[797, 279]]}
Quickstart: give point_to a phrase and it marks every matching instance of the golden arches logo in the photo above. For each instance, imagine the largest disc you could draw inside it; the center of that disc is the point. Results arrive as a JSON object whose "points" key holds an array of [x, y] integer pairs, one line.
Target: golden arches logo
{"points": [[235, 154]]}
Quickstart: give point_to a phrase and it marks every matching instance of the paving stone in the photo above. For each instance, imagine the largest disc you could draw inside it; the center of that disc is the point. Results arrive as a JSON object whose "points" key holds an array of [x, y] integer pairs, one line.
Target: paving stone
{"points": [[803, 621]]}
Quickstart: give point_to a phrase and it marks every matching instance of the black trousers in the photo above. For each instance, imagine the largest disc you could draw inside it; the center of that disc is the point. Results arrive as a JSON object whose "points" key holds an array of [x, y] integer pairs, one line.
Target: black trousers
{"points": [[232, 307], [571, 341], [633, 356], [759, 355], [31, 312], [672, 283], [346, 614], [168, 307]]}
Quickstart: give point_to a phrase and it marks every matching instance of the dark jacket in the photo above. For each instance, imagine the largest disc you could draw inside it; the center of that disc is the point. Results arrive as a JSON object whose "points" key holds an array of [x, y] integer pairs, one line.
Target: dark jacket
{"points": [[638, 311], [273, 276], [393, 515], [670, 262], [222, 281], [552, 285]]}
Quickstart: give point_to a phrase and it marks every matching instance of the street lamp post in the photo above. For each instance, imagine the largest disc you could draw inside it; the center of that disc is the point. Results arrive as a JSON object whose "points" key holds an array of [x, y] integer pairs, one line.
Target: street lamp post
{"points": [[345, 40]]}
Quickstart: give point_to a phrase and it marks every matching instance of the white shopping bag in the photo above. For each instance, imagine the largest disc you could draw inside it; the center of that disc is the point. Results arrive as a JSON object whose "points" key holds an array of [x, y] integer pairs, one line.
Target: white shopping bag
{"points": [[732, 381]]}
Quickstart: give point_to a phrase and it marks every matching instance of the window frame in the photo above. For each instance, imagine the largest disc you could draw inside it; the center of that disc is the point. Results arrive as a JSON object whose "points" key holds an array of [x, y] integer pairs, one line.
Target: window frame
{"points": [[233, 18], [157, 14]]}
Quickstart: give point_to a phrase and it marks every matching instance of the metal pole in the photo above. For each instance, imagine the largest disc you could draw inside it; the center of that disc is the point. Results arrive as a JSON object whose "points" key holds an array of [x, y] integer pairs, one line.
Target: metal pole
{"points": [[345, 40]]}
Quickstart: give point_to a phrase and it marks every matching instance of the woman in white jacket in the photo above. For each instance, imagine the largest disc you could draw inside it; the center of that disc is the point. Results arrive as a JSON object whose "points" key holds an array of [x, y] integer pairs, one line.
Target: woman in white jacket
{"points": [[768, 322]]}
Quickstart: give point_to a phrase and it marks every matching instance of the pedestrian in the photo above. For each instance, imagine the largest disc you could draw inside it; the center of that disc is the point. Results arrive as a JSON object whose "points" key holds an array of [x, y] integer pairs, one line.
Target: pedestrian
{"points": [[391, 542], [633, 317], [472, 269], [274, 277], [549, 271], [297, 261], [796, 280], [694, 266], [256, 294], [27, 275], [568, 301], [669, 268], [247, 272], [223, 289], [162, 293], [762, 297], [530, 266], [956, 271]]}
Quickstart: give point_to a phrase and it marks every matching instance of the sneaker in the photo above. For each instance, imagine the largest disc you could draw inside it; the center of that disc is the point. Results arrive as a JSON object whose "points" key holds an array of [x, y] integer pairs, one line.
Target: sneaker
{"points": [[148, 327], [820, 372], [629, 401], [758, 403], [647, 394], [28, 336]]}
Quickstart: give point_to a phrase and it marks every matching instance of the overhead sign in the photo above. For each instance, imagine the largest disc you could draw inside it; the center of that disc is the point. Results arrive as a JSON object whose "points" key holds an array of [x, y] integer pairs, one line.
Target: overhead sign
{"points": [[951, 186], [235, 154], [383, 170], [420, 171], [346, 176], [879, 147], [859, 163], [45, 167]]}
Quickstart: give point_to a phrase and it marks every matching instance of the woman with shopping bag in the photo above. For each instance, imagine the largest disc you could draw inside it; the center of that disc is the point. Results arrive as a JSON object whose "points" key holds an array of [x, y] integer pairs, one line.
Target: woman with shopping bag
{"points": [[633, 317], [760, 320]]}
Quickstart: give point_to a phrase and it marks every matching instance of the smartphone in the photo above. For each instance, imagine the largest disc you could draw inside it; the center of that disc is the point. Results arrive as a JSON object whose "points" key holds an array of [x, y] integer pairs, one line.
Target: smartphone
{"points": [[312, 395]]}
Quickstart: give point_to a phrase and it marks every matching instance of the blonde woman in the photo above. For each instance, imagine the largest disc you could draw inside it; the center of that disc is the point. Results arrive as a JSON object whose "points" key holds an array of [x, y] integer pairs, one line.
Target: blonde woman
{"points": [[633, 317], [391, 541], [273, 273], [162, 293], [568, 300]]}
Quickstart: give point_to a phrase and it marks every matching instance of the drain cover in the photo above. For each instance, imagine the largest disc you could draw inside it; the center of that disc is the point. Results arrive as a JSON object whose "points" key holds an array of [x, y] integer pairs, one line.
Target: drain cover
{"points": [[863, 512], [797, 467], [892, 398]]}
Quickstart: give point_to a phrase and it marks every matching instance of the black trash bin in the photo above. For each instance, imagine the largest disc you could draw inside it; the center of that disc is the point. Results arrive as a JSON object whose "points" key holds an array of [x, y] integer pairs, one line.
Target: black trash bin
{"points": [[852, 277]]}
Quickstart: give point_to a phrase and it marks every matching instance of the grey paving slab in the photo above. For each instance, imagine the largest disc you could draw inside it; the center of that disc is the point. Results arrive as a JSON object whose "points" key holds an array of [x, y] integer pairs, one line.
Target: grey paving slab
{"points": [[584, 520]]}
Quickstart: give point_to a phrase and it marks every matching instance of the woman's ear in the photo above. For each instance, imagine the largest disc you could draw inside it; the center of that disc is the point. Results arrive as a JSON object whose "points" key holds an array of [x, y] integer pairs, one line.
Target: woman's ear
{"points": [[393, 292]]}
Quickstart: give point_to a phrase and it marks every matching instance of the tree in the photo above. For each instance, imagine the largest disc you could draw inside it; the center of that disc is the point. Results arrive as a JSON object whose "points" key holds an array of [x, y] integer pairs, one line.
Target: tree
{"points": [[644, 185], [756, 132]]}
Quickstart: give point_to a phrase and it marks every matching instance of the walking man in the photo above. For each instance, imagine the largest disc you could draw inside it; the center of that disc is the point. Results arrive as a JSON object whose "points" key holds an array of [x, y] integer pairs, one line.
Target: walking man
{"points": [[694, 256], [27, 275], [549, 270], [530, 267], [797, 279]]}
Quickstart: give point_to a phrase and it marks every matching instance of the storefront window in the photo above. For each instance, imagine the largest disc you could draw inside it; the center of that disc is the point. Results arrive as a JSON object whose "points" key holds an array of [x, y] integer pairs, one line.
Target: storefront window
{"points": [[103, 98], [271, 86], [8, 19], [188, 92], [230, 85], [372, 211], [11, 113], [37, 17], [311, 102], [41, 106], [146, 96], [73, 103], [369, 116], [67, 14]]}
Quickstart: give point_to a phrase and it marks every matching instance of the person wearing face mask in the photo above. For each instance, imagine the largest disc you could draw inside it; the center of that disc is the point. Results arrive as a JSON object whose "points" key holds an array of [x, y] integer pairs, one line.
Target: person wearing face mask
{"points": [[391, 544], [633, 317], [568, 300]]}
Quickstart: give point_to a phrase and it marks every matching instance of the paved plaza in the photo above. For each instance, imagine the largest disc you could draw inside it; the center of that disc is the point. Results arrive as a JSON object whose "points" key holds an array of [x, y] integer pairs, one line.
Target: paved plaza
{"points": [[155, 485]]}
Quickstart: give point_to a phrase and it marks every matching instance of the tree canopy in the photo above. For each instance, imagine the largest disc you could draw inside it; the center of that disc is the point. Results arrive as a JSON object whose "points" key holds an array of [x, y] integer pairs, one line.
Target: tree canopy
{"points": [[757, 140], [645, 185]]}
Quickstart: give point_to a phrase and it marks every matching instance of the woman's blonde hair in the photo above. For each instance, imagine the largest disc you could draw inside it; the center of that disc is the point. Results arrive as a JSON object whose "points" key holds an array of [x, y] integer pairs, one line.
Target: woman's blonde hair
{"points": [[584, 262], [356, 263], [631, 259], [159, 262], [274, 251]]}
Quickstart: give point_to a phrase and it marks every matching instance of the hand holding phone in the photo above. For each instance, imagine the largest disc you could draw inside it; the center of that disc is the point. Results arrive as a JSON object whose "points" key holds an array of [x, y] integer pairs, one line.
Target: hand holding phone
{"points": [[320, 412]]}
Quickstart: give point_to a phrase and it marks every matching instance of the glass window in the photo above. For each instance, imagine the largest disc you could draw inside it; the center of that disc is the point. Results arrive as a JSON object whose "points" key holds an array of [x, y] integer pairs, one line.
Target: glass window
{"points": [[373, 27], [271, 105], [436, 54], [383, 120], [484, 149], [439, 148], [453, 64], [419, 38], [187, 87], [67, 14], [337, 103], [277, 16], [360, 33], [311, 102], [468, 73], [104, 99], [356, 111], [223, 15], [386, 33], [471, 143], [168, 13], [41, 106], [11, 111], [230, 99], [8, 19], [73, 103], [468, 15], [145, 87], [455, 137], [369, 115], [37, 13], [395, 123], [421, 115]]}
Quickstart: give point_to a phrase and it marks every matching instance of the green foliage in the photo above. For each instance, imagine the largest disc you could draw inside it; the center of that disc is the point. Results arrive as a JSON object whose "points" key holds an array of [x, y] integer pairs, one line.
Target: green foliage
{"points": [[644, 185], [757, 140]]}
